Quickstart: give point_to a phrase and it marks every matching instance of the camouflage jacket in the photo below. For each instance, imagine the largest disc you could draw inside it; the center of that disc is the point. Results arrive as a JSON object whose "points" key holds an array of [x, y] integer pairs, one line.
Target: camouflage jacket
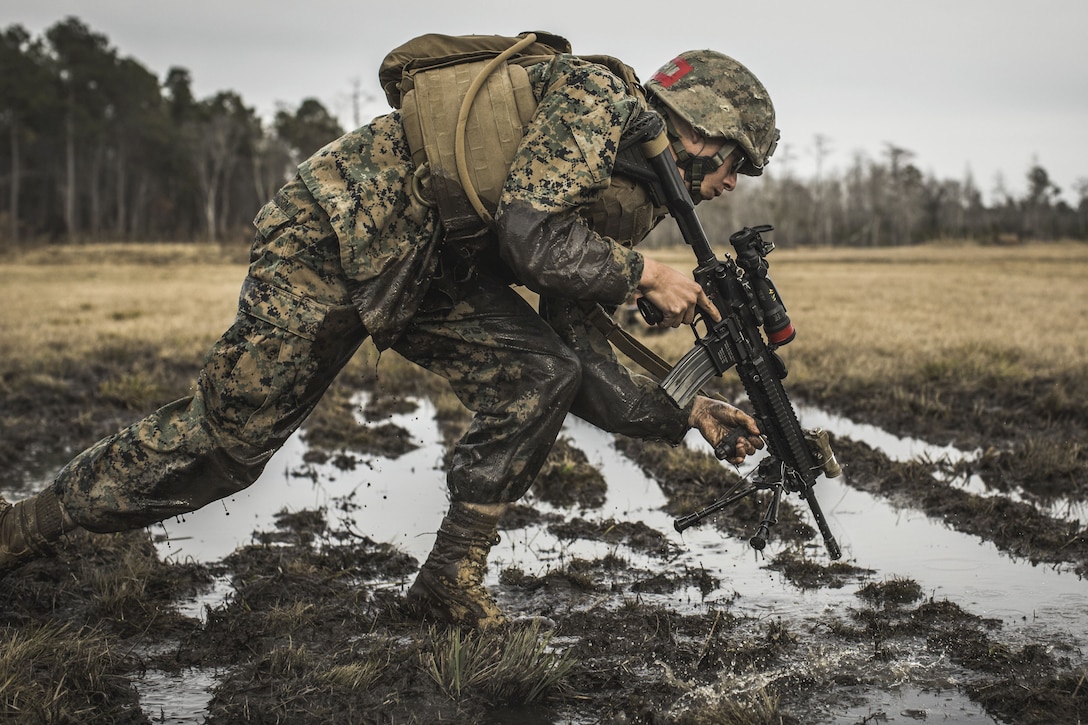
{"points": [[359, 189], [553, 199]]}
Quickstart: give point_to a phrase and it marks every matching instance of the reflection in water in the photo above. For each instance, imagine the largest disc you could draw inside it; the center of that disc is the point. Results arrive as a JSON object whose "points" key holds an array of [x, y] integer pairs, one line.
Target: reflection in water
{"points": [[913, 449], [401, 501], [176, 697], [906, 703]]}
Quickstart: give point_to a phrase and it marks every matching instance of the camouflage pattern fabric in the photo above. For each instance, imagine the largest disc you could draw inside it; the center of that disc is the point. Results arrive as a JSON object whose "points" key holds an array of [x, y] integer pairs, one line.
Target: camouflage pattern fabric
{"points": [[611, 396], [510, 368], [344, 251], [566, 155], [720, 98], [296, 327], [561, 170], [362, 181]]}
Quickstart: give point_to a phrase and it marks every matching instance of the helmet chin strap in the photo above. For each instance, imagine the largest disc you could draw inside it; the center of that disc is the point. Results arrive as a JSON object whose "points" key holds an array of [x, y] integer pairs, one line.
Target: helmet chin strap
{"points": [[694, 167], [691, 167]]}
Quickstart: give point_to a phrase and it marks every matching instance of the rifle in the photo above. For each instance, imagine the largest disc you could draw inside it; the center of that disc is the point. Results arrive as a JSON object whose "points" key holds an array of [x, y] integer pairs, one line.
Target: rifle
{"points": [[748, 301]]}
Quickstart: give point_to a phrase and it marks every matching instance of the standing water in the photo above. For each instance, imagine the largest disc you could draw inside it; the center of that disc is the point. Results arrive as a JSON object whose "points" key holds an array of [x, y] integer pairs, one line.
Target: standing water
{"points": [[401, 501]]}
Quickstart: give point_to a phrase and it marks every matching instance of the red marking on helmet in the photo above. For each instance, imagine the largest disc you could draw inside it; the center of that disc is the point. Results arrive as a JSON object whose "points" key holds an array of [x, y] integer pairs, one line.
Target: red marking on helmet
{"points": [[667, 79]]}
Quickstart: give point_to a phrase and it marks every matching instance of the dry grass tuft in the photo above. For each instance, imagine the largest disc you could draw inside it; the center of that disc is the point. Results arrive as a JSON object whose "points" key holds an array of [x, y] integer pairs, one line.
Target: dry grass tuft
{"points": [[56, 674], [515, 666]]}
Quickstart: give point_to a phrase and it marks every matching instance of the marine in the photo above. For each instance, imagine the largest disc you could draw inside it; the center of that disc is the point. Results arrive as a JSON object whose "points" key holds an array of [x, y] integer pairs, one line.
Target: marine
{"points": [[355, 246]]}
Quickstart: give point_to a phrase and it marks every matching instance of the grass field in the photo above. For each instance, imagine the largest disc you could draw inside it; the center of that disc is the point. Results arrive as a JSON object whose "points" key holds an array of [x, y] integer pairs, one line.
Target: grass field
{"points": [[862, 314], [931, 332], [870, 314], [72, 301]]}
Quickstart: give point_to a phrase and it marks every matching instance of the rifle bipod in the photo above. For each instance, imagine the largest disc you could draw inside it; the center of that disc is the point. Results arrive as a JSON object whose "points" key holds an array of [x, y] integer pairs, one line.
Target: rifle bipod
{"points": [[771, 475]]}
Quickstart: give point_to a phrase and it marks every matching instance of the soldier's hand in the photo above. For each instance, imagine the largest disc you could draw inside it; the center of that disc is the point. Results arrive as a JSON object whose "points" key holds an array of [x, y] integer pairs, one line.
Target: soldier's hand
{"points": [[716, 420], [675, 294]]}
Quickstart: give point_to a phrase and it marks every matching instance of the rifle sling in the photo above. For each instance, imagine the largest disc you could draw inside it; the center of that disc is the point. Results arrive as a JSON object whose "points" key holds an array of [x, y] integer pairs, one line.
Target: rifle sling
{"points": [[623, 341], [656, 366]]}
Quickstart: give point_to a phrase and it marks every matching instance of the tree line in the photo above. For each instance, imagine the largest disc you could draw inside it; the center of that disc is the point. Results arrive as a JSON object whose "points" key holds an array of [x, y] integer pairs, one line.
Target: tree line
{"points": [[99, 148], [888, 202]]}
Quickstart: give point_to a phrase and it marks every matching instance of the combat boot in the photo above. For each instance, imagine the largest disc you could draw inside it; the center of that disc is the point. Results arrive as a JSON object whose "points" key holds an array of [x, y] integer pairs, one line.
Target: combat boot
{"points": [[29, 528], [449, 586]]}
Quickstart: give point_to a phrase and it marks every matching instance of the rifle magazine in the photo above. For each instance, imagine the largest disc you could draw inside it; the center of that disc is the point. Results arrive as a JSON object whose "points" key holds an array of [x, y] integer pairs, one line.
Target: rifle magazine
{"points": [[688, 376]]}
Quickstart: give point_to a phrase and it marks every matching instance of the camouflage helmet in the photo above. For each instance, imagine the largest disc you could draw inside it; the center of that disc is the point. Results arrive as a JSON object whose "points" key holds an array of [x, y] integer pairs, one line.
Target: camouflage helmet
{"points": [[720, 98]]}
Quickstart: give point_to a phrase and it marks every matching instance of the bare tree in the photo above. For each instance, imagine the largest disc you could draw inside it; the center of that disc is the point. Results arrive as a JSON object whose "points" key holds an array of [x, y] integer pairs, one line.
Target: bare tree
{"points": [[216, 141]]}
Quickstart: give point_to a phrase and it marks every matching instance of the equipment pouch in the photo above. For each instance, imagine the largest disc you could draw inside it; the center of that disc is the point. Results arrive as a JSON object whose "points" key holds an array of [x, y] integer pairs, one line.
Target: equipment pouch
{"points": [[496, 122]]}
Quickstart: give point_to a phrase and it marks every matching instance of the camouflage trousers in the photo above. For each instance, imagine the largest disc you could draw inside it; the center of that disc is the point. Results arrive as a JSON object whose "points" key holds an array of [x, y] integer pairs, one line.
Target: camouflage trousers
{"points": [[296, 328]]}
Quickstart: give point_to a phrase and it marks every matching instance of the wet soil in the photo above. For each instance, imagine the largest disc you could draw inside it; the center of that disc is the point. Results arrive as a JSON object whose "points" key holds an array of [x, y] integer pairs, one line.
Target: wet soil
{"points": [[313, 626]]}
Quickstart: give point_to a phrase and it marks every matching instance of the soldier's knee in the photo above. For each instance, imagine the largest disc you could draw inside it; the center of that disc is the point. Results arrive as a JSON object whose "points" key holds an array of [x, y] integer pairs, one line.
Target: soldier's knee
{"points": [[564, 375], [238, 468]]}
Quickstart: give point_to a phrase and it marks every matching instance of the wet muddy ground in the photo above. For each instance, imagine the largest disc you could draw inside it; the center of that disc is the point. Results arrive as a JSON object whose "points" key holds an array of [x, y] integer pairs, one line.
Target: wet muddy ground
{"points": [[959, 597]]}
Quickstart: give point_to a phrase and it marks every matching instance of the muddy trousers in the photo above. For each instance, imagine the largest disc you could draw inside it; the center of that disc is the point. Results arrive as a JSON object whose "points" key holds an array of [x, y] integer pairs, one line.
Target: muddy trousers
{"points": [[507, 365], [268, 371], [295, 329]]}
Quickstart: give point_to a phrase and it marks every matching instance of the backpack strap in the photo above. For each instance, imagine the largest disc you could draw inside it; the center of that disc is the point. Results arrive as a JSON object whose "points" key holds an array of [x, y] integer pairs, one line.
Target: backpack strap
{"points": [[627, 343]]}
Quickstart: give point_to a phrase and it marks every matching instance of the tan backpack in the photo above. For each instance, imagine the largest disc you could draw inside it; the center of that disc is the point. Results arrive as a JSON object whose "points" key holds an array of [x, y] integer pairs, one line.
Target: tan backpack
{"points": [[465, 102], [400, 67], [462, 150]]}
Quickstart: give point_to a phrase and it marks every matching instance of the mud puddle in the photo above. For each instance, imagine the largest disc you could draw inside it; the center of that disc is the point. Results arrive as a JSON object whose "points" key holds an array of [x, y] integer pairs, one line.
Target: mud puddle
{"points": [[948, 564], [400, 501], [906, 704], [946, 461], [176, 697]]}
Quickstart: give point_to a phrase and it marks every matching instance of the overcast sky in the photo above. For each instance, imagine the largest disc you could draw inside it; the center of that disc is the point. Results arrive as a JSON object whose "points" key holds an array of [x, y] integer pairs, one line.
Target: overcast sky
{"points": [[980, 87]]}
